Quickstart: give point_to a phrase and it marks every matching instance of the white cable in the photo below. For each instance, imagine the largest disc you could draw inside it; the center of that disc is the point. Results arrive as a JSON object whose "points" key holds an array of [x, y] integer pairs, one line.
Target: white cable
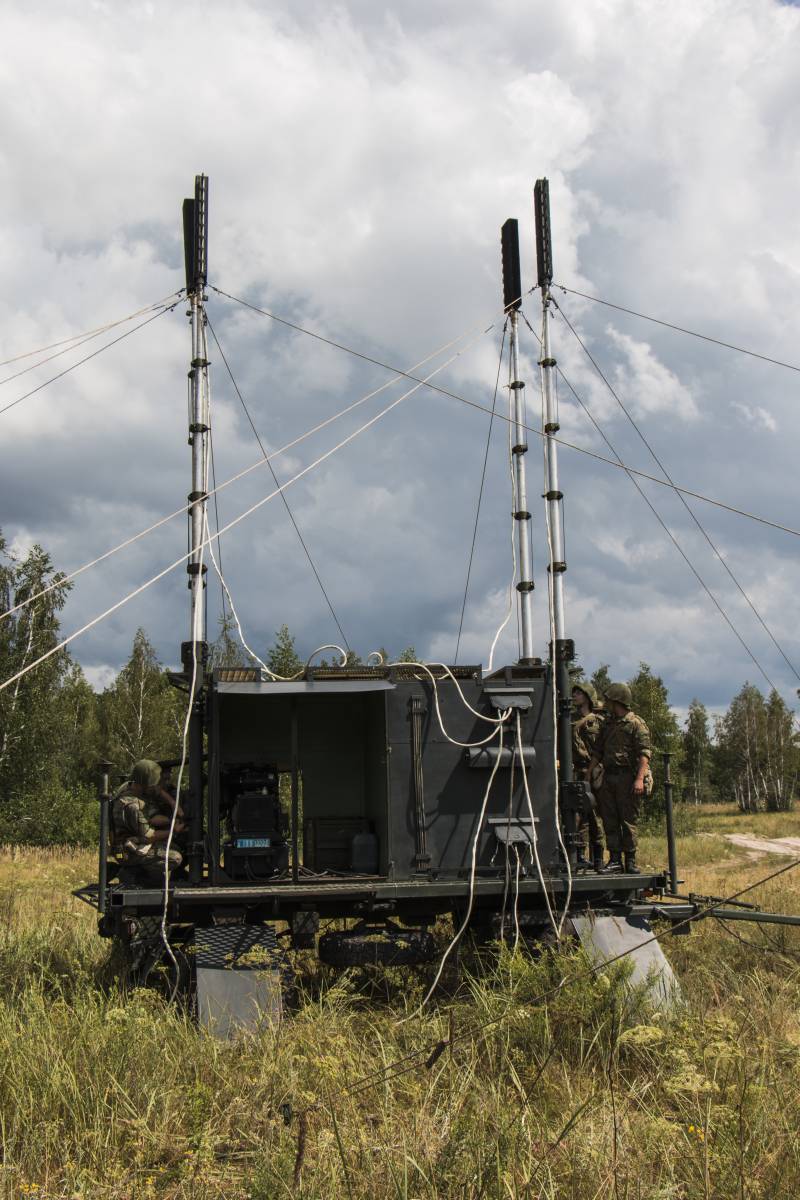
{"points": [[79, 339], [473, 861], [552, 621], [214, 536], [272, 674], [508, 832], [466, 745], [513, 531], [261, 462], [535, 835]]}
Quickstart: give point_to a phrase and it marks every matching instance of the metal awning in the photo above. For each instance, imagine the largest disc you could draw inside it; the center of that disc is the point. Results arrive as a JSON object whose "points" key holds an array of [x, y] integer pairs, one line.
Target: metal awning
{"points": [[304, 687]]}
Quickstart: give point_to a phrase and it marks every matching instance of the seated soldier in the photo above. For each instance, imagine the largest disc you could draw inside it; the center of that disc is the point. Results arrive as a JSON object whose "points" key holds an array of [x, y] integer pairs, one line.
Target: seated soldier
{"points": [[141, 814]]}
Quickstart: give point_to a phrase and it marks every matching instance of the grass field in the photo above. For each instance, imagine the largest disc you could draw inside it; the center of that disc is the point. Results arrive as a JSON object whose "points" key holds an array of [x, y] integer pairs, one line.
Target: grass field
{"points": [[589, 1095]]}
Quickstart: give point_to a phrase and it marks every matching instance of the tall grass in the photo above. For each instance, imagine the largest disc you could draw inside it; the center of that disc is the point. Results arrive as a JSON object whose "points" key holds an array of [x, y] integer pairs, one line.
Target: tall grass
{"points": [[591, 1095]]}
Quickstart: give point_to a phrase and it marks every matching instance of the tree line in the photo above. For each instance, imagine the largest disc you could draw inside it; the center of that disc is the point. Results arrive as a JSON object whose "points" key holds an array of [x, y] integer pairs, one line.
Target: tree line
{"points": [[54, 727]]}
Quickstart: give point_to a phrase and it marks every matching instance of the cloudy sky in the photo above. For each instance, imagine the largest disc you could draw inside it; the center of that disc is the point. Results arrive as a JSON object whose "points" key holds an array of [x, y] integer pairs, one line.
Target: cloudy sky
{"points": [[362, 158]]}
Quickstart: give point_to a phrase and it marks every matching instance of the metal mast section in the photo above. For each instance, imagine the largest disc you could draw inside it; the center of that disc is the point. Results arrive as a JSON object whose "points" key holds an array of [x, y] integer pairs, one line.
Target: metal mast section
{"points": [[562, 649], [512, 300], [194, 653]]}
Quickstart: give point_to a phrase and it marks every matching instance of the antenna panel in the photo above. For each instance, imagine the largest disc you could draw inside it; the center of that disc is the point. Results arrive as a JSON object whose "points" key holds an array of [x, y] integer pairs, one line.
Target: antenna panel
{"points": [[188, 243], [512, 275], [544, 245], [195, 235], [200, 229]]}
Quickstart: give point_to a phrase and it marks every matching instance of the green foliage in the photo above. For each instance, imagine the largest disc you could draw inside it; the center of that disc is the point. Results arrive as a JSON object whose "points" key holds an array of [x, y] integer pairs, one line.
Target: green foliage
{"points": [[141, 714], [226, 651], [756, 759], [697, 755], [53, 813], [282, 658], [651, 702], [48, 725], [601, 679], [29, 707]]}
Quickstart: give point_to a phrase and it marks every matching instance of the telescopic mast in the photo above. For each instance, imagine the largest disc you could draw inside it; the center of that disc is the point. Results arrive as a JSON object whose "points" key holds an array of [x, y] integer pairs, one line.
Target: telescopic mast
{"points": [[195, 233], [194, 653], [512, 300], [562, 650]]}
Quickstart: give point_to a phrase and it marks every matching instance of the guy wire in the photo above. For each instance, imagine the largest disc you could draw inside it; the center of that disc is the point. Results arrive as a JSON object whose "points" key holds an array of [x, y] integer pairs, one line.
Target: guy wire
{"points": [[39, 387], [682, 499], [480, 490], [703, 337], [631, 475], [290, 514]]}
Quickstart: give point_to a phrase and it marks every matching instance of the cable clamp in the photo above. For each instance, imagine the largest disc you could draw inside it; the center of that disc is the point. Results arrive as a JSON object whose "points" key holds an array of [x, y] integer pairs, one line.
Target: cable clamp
{"points": [[198, 427], [553, 496], [193, 497], [525, 585], [522, 515], [552, 427], [557, 567], [194, 568], [520, 448], [200, 362], [516, 385], [547, 362]]}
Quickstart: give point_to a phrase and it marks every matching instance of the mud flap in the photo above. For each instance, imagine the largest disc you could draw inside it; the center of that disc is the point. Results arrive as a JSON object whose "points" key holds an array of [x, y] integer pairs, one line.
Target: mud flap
{"points": [[240, 975], [604, 938]]}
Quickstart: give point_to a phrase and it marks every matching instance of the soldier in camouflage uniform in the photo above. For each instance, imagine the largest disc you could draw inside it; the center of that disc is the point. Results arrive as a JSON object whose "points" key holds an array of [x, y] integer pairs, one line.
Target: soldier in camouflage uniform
{"points": [[141, 812], [585, 733], [623, 749]]}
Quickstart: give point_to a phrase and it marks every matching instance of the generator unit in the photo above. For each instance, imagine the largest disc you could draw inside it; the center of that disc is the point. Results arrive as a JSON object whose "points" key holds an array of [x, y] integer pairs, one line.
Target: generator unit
{"points": [[255, 846]]}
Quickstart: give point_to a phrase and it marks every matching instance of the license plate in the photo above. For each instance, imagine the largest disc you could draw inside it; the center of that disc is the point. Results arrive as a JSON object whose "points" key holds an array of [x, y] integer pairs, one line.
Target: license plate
{"points": [[253, 843]]}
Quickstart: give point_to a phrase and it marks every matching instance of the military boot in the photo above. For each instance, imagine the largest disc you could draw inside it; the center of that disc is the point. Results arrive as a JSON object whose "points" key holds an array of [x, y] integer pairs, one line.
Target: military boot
{"points": [[582, 862], [614, 862], [630, 863], [597, 856]]}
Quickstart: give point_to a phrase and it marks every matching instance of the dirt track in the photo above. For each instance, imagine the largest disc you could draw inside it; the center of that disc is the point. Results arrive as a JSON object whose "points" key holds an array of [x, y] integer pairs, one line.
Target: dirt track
{"points": [[789, 846]]}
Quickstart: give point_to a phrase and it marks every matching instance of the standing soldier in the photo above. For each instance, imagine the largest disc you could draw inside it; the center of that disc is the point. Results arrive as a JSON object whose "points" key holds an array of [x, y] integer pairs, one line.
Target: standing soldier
{"points": [[623, 749], [585, 733]]}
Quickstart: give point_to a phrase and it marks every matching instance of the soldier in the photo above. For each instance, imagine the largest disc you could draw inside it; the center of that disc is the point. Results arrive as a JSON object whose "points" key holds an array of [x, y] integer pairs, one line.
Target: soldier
{"points": [[585, 732], [141, 813], [623, 749]]}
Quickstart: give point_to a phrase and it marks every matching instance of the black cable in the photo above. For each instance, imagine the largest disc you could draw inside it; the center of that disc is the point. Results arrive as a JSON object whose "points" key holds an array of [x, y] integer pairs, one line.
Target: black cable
{"points": [[731, 508], [703, 337], [683, 501], [480, 490], [663, 525], [278, 485], [754, 945], [167, 308]]}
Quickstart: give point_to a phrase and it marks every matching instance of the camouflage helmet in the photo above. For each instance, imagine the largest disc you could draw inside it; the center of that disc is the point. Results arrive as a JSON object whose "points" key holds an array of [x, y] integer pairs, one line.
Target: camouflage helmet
{"points": [[620, 693], [587, 688], [146, 773]]}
